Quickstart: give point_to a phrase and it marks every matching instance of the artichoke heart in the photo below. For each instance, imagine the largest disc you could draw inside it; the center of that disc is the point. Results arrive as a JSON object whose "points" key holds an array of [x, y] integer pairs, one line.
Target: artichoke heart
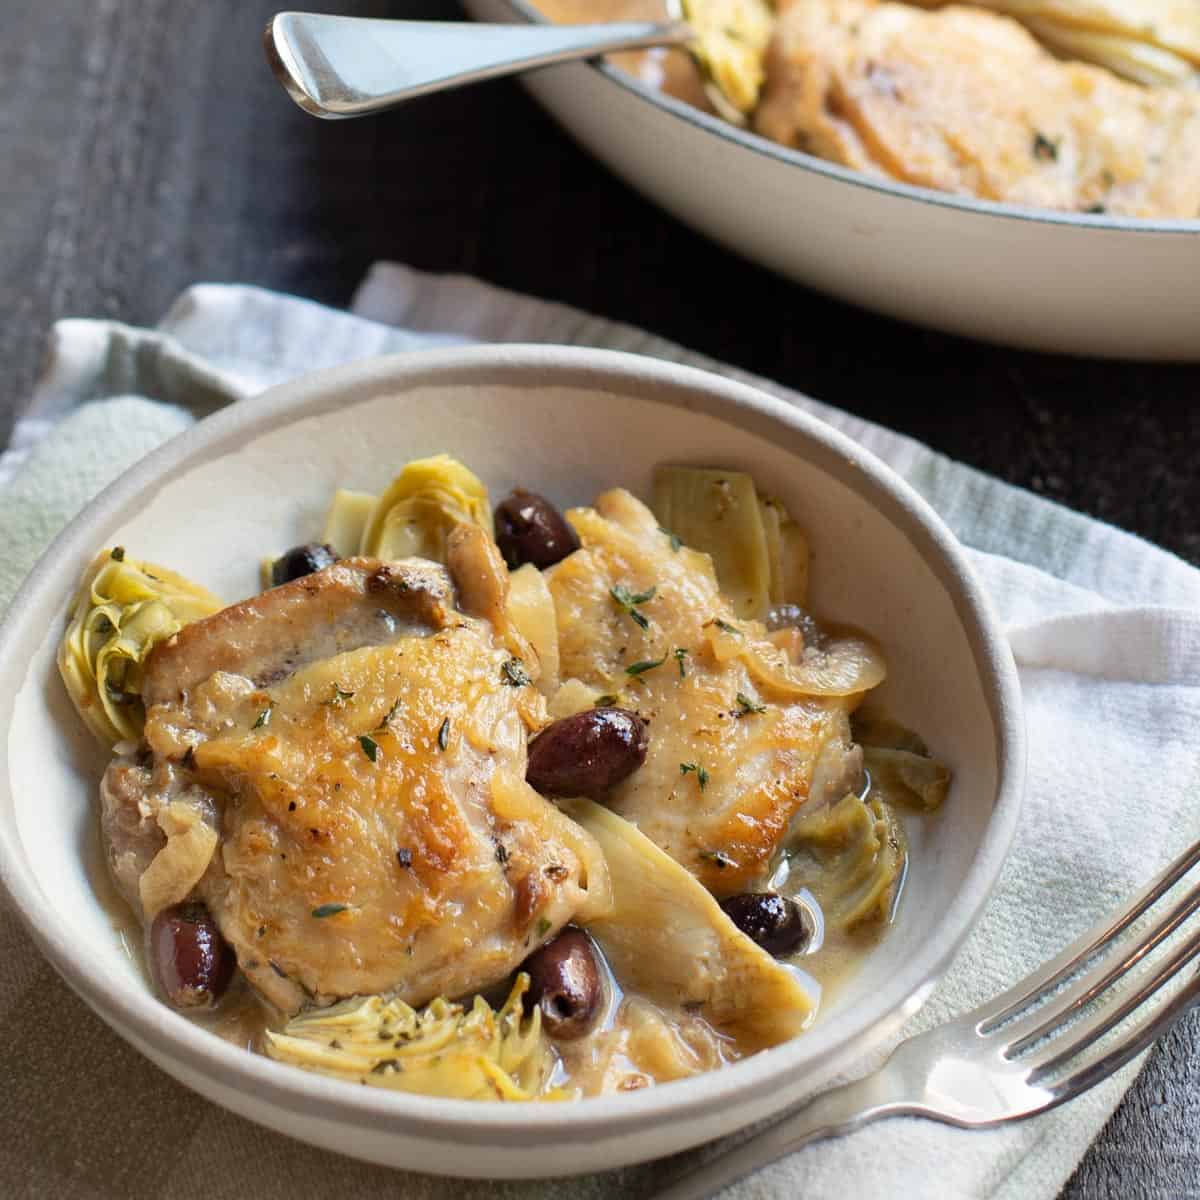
{"points": [[441, 1050], [759, 553], [421, 508], [901, 767], [667, 939], [731, 46], [122, 610], [346, 521], [851, 856]]}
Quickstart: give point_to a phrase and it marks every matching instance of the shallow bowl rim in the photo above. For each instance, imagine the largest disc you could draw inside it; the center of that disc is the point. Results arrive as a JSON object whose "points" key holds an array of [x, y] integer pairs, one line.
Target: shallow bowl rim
{"points": [[747, 139], [138, 1015]]}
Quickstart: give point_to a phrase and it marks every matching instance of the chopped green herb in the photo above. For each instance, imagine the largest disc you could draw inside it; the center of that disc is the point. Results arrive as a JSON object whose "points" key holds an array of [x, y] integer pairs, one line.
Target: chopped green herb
{"points": [[626, 599], [646, 664], [717, 858], [543, 927], [444, 734], [725, 625], [515, 674], [629, 600], [1044, 150], [701, 773], [680, 654], [391, 712], [329, 910], [264, 717], [674, 538], [607, 701], [338, 697], [369, 746], [404, 857], [118, 554], [748, 706]]}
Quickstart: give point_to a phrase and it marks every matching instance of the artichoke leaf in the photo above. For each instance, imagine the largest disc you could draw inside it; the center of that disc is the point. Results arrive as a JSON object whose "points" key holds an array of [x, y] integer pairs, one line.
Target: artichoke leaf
{"points": [[667, 939], [421, 508], [443, 1049], [730, 47], [347, 520], [717, 512], [851, 856], [787, 553], [122, 610], [912, 780], [759, 553], [902, 769]]}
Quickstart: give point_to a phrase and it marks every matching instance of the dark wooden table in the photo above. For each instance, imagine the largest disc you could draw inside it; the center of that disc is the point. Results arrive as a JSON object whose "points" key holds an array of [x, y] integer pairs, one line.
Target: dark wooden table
{"points": [[144, 146]]}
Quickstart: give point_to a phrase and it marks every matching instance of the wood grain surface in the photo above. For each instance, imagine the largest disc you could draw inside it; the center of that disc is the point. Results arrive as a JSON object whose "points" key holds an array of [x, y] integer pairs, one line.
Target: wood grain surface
{"points": [[144, 146]]}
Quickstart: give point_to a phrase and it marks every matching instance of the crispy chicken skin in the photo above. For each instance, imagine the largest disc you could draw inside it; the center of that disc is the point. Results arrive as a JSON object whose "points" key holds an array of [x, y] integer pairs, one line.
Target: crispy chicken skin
{"points": [[966, 101], [366, 752], [759, 768]]}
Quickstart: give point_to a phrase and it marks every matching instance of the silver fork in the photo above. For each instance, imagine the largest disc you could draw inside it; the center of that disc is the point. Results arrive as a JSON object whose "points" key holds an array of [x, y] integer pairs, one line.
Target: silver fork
{"points": [[1026, 1051]]}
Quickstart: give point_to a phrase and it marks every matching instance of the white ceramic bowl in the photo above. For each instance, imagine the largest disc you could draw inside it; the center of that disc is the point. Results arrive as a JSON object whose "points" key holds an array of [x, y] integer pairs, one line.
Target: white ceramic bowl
{"points": [[256, 478], [1103, 286]]}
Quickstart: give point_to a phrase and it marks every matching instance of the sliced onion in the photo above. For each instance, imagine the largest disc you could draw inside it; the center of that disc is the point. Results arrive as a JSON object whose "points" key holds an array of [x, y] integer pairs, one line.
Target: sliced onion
{"points": [[842, 667]]}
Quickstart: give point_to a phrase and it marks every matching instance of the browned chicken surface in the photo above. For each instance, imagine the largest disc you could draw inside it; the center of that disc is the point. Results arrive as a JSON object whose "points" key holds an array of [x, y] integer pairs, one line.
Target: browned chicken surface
{"points": [[962, 99], [966, 101], [723, 777], [360, 742]]}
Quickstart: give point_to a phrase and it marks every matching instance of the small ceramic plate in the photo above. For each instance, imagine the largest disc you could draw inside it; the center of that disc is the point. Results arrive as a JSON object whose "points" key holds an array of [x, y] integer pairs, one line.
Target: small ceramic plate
{"points": [[1107, 287], [257, 477]]}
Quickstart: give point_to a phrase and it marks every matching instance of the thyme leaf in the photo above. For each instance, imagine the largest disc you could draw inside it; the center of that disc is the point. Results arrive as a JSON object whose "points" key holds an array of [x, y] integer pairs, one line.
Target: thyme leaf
{"points": [[369, 746], [1044, 150], [674, 538], [515, 674], [444, 734], [680, 654], [748, 706], [628, 601], [264, 717], [646, 664], [701, 774], [724, 625], [385, 724], [329, 910]]}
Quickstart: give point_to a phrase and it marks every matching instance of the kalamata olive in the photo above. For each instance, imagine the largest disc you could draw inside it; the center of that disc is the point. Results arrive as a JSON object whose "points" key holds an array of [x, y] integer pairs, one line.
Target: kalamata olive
{"points": [[529, 529], [564, 982], [586, 754], [191, 962], [301, 560], [779, 925]]}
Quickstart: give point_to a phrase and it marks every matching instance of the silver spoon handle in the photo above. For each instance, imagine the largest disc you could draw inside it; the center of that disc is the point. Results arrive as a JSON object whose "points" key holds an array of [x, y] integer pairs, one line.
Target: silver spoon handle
{"points": [[350, 66]]}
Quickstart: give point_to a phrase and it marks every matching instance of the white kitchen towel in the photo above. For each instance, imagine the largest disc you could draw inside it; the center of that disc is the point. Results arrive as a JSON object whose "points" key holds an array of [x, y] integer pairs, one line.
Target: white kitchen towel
{"points": [[1105, 629]]}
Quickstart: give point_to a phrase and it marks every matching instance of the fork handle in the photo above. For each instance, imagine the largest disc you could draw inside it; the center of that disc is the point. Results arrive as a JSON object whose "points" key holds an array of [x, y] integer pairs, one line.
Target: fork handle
{"points": [[886, 1093], [335, 66]]}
